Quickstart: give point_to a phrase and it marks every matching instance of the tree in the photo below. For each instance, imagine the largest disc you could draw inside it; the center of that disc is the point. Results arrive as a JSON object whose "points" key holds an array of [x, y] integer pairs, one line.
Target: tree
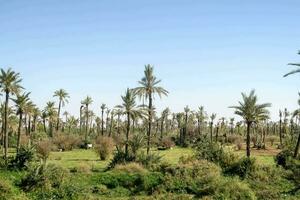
{"points": [[50, 112], [149, 87], [10, 85], [212, 118], [186, 111], [103, 107], [200, 118], [164, 116], [87, 101], [131, 111], [297, 113], [20, 102], [63, 97], [280, 127], [251, 112]]}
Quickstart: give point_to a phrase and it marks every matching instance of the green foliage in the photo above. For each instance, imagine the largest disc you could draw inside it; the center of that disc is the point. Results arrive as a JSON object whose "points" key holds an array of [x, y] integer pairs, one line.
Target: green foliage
{"points": [[283, 158], [241, 168], [23, 158], [234, 189], [45, 177], [5, 190], [215, 153]]}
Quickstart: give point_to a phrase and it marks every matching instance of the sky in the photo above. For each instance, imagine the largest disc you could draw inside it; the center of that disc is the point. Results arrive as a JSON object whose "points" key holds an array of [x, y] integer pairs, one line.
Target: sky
{"points": [[205, 52]]}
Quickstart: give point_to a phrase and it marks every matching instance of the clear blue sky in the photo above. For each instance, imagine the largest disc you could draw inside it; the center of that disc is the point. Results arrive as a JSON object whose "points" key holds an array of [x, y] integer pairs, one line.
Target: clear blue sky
{"points": [[206, 52]]}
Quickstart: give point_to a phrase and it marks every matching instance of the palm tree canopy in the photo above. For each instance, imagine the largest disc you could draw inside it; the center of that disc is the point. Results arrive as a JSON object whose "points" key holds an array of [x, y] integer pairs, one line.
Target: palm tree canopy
{"points": [[10, 81], [21, 102], [250, 110], [293, 71], [129, 104], [149, 85], [62, 95], [87, 101]]}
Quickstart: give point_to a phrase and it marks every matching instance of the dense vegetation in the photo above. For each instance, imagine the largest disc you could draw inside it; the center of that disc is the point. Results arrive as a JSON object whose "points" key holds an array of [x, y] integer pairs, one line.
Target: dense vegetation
{"points": [[132, 151]]}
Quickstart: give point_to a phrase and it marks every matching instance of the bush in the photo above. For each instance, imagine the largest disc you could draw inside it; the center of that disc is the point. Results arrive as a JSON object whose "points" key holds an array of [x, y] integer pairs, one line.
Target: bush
{"points": [[198, 177], [135, 143], [43, 149], [81, 168], [235, 190], [23, 158], [215, 153], [130, 168], [233, 139], [120, 157], [148, 160], [242, 167], [43, 177], [104, 147], [283, 157], [167, 143], [5, 190], [66, 142]]}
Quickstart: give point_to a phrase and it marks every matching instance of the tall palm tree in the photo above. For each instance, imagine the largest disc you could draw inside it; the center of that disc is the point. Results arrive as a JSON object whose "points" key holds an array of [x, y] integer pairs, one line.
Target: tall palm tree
{"points": [[87, 101], [186, 111], [297, 113], [251, 112], [280, 127], [10, 85], [80, 118], [20, 102], [212, 118], [149, 87], [51, 113], [107, 120], [112, 114], [129, 108], [200, 118], [63, 97], [36, 113], [119, 113], [164, 116], [103, 107]]}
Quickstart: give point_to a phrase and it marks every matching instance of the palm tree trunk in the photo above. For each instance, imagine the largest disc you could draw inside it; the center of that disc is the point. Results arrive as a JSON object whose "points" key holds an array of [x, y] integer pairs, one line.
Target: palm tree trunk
{"points": [[248, 139], [297, 147], [58, 115], [87, 122], [127, 134], [44, 123], [161, 129], [149, 123], [211, 131], [5, 126], [280, 133], [102, 122], [19, 131]]}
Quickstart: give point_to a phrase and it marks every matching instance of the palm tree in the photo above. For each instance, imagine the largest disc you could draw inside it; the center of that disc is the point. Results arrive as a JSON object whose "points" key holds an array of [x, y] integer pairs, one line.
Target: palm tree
{"points": [[186, 111], [131, 111], [36, 113], [63, 97], [212, 118], [20, 102], [119, 113], [164, 116], [80, 118], [251, 112], [10, 85], [280, 127], [200, 118], [107, 120], [149, 87], [87, 101], [103, 107], [294, 71], [297, 113], [111, 122], [50, 111]]}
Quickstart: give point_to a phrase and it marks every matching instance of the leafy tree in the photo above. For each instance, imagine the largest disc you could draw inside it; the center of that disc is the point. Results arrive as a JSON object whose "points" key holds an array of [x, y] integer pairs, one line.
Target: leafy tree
{"points": [[149, 87], [251, 112], [63, 97]]}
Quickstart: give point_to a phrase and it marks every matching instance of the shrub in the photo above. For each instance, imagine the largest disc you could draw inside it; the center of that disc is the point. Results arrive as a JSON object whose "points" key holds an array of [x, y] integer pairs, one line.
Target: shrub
{"points": [[148, 160], [234, 138], [120, 157], [43, 149], [23, 158], [242, 167], [66, 142], [81, 168], [130, 168], [235, 190], [198, 177], [43, 177], [135, 143], [167, 143], [104, 147], [283, 157], [5, 190], [214, 152]]}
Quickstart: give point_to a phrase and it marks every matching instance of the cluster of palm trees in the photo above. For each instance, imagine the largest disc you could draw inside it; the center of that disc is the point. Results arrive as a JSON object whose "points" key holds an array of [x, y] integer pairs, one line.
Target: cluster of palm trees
{"points": [[131, 117]]}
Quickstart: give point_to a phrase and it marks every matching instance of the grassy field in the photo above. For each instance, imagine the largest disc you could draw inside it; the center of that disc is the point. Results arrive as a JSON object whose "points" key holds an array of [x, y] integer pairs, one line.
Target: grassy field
{"points": [[80, 157]]}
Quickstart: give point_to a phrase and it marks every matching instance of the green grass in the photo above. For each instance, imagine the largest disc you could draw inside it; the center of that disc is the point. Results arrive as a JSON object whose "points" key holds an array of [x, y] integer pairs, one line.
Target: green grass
{"points": [[77, 157]]}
